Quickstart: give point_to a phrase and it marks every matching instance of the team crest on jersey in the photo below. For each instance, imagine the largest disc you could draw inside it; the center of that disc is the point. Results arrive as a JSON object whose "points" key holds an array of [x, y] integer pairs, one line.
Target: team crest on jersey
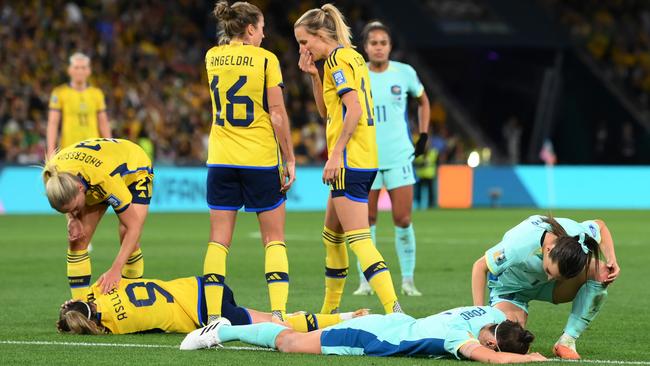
{"points": [[499, 257], [339, 78], [113, 201], [54, 99], [396, 90], [593, 230]]}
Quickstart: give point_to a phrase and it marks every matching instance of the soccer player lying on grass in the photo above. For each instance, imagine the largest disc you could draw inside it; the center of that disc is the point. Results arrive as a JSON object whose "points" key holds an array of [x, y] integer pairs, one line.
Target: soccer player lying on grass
{"points": [[176, 306], [479, 333]]}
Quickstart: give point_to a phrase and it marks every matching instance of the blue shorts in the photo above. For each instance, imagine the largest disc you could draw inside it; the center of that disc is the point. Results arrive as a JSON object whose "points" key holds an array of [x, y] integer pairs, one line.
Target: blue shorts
{"points": [[258, 190], [353, 184], [229, 308], [378, 335], [142, 189], [394, 177]]}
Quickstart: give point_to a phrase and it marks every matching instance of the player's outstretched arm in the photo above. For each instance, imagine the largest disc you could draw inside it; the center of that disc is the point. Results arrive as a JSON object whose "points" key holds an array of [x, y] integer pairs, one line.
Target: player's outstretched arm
{"points": [[132, 220], [479, 275], [483, 354], [607, 246]]}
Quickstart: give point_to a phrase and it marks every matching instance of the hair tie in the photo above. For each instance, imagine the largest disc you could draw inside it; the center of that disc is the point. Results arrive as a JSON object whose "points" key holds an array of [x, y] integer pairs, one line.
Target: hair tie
{"points": [[496, 340], [581, 241], [89, 312]]}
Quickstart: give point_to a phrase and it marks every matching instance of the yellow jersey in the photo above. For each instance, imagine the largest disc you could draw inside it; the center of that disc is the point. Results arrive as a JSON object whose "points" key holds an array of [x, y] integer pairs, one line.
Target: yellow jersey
{"points": [[141, 305], [79, 111], [242, 135], [106, 167], [345, 70]]}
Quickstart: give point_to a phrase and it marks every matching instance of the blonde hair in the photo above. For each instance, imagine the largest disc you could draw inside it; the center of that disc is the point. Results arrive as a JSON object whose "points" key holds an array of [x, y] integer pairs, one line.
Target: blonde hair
{"points": [[329, 20], [79, 56], [60, 187], [72, 321], [233, 19]]}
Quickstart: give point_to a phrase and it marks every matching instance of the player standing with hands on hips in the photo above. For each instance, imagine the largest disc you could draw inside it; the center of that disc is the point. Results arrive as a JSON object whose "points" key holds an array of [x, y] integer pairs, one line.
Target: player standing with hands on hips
{"points": [[392, 83], [344, 99]]}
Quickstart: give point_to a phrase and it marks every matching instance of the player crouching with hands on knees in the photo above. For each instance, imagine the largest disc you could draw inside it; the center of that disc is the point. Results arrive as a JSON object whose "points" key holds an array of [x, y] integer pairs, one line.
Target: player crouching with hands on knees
{"points": [[552, 260], [478, 333]]}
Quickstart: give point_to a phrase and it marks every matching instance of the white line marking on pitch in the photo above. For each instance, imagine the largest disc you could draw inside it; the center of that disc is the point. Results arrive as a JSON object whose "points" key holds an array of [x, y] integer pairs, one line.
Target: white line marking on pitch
{"points": [[125, 345], [134, 345]]}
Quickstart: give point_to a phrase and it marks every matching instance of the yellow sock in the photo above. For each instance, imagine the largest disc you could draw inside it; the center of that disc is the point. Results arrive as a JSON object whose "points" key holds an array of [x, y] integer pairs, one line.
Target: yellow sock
{"points": [[276, 268], [374, 268], [336, 269], [134, 267], [308, 322], [79, 271], [214, 276]]}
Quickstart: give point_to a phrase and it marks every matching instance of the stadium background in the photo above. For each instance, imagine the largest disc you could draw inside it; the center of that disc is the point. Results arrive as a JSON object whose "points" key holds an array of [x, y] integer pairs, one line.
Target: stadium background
{"points": [[505, 78]]}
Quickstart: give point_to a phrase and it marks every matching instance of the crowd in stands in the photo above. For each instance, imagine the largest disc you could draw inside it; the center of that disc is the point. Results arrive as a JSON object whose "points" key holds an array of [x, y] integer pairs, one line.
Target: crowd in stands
{"points": [[147, 57], [617, 35]]}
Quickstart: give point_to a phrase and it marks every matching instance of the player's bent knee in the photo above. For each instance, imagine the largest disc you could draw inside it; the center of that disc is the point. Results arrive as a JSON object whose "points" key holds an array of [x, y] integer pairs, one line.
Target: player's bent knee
{"points": [[598, 272]]}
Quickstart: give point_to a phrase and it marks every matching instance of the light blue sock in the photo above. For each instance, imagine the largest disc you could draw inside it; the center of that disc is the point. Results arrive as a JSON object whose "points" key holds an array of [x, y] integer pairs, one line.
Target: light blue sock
{"points": [[373, 235], [405, 247], [260, 334], [586, 305]]}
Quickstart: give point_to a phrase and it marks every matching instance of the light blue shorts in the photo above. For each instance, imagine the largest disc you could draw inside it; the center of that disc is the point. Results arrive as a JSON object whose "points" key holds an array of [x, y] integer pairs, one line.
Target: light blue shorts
{"points": [[523, 297], [394, 177]]}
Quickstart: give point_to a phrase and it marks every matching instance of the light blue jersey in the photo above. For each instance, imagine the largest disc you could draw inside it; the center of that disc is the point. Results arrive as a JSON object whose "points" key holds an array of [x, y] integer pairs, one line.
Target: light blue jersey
{"points": [[438, 335], [515, 264], [389, 92]]}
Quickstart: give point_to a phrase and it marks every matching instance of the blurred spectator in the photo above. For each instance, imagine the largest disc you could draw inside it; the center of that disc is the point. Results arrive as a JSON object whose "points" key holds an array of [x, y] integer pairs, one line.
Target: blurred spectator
{"points": [[148, 59]]}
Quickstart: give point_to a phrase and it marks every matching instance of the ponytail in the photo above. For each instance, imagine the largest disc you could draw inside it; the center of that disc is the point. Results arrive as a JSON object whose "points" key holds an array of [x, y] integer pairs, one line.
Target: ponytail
{"points": [[573, 254], [329, 21], [233, 19], [60, 187], [73, 320]]}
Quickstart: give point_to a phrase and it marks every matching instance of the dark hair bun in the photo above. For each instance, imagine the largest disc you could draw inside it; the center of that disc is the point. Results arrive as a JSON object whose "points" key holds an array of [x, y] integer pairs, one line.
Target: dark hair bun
{"points": [[223, 11], [527, 337]]}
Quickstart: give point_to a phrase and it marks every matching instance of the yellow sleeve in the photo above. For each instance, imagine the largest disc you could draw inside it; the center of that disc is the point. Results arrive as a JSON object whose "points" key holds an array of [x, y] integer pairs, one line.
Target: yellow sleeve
{"points": [[55, 99], [273, 72], [341, 73], [101, 101], [117, 194]]}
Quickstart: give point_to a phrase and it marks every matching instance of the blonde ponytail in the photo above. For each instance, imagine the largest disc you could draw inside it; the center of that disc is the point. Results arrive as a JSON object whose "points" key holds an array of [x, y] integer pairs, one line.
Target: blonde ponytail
{"points": [[329, 21], [60, 187], [342, 31], [74, 322]]}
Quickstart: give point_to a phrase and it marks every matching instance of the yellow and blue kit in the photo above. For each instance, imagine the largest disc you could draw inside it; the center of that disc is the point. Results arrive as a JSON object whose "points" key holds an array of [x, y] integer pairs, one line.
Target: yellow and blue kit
{"points": [[149, 305], [345, 70], [114, 171], [243, 156], [79, 109]]}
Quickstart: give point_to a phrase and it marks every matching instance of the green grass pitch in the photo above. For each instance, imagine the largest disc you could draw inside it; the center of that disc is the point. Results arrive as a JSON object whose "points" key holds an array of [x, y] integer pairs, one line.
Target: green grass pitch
{"points": [[33, 284]]}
